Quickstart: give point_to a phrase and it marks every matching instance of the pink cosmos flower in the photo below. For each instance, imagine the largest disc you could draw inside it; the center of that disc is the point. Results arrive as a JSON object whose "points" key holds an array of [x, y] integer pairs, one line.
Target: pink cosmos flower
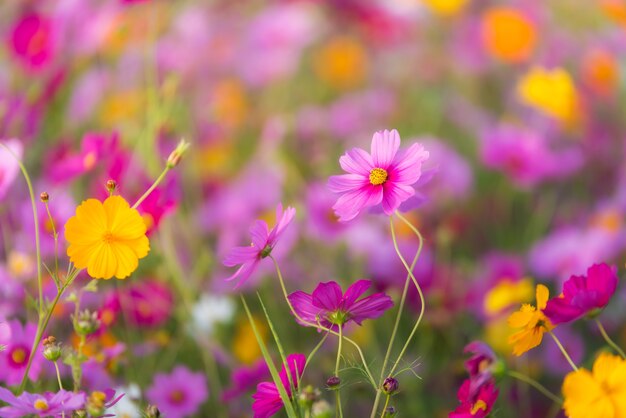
{"points": [[44, 405], [583, 295], [13, 360], [480, 365], [384, 176], [263, 242], [9, 166], [328, 306], [267, 399], [178, 394], [475, 406], [31, 40]]}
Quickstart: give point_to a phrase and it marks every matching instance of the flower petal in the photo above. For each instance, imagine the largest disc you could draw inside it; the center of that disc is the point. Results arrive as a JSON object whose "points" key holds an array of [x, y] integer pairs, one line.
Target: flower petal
{"points": [[327, 295], [356, 161], [385, 145], [355, 290]]}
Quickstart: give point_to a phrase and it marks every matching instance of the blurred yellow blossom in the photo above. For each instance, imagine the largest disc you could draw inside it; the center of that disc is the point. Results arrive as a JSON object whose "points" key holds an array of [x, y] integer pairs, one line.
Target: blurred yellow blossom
{"points": [[550, 91], [342, 63], [446, 7]]}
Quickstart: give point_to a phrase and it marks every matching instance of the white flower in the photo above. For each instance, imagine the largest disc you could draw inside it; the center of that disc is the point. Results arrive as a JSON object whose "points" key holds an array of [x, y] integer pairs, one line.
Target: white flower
{"points": [[128, 406], [209, 311]]}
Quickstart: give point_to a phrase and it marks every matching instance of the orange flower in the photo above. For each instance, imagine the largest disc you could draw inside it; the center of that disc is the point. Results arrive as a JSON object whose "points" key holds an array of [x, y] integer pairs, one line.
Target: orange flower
{"points": [[532, 321], [508, 34]]}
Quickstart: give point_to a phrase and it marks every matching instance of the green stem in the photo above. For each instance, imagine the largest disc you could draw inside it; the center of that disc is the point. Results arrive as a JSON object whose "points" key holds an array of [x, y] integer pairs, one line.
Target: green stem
{"points": [[151, 189], [36, 220], [321, 327], [313, 352], [337, 395], [608, 339], [56, 367], [396, 325], [417, 286], [41, 328], [382, 415], [56, 240], [567, 357], [523, 378]]}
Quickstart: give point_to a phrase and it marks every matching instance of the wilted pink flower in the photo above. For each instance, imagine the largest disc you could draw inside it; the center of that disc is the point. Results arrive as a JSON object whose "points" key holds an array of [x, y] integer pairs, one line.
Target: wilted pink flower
{"points": [[267, 399], [178, 394], [44, 405], [479, 365], [384, 176], [583, 295], [9, 166], [263, 242], [475, 406], [330, 308], [14, 358], [31, 40]]}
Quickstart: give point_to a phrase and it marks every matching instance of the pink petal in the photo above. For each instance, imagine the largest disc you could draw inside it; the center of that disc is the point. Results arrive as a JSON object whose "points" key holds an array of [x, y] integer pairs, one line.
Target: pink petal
{"points": [[394, 195], [356, 161], [350, 204], [407, 167], [327, 295], [259, 233], [240, 255], [385, 145], [355, 290], [347, 182]]}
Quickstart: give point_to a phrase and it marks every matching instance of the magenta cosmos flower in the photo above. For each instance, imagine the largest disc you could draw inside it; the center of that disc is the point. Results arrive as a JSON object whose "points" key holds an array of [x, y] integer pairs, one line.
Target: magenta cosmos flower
{"points": [[178, 394], [328, 306], [14, 358], [385, 176], [263, 242], [475, 406], [45, 405], [267, 399], [583, 295]]}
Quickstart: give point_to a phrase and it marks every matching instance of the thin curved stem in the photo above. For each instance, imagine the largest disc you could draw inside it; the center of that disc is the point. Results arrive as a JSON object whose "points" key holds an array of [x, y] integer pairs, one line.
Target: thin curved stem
{"points": [[151, 189], [608, 339], [417, 286], [337, 390], [314, 351], [321, 327], [56, 240], [382, 415], [395, 328], [567, 357], [532, 382], [56, 367]]}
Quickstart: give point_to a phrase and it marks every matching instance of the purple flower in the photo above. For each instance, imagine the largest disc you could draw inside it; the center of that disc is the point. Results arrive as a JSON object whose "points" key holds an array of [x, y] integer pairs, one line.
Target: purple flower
{"points": [[13, 360], [475, 405], [267, 399], [263, 242], [479, 365], [583, 295], [45, 405], [9, 166], [384, 176], [330, 308], [178, 394]]}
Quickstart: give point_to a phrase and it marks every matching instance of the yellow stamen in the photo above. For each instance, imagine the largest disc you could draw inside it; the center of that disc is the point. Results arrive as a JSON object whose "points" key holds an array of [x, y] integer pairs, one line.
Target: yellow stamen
{"points": [[479, 405], [41, 405], [378, 176], [18, 356]]}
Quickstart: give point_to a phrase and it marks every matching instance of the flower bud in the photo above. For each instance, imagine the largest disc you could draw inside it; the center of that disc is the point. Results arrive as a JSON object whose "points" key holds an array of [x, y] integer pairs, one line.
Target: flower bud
{"points": [[51, 348], [390, 412], [86, 323], [321, 409], [111, 185], [152, 412], [333, 381], [177, 154], [390, 386], [44, 197], [308, 396]]}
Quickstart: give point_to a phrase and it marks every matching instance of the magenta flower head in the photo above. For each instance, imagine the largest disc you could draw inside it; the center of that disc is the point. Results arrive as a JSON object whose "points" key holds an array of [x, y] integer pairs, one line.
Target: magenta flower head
{"points": [[478, 405], [328, 307], [385, 176], [263, 242], [481, 366], [44, 405], [267, 399], [178, 394], [14, 358], [583, 295]]}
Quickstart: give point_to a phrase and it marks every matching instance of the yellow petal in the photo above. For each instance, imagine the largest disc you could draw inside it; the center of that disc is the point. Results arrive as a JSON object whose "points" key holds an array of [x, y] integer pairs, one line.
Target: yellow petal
{"points": [[81, 254], [543, 294], [522, 317], [583, 395], [102, 264], [115, 208], [140, 246], [127, 261]]}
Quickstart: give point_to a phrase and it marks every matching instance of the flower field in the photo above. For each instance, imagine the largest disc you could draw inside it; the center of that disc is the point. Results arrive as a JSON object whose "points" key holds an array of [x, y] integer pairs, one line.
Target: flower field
{"points": [[312, 209]]}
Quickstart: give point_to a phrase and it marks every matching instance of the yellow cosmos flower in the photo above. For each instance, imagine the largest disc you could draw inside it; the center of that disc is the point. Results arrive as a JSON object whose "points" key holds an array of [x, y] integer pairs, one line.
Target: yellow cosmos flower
{"points": [[506, 294], [107, 239], [508, 34], [550, 91], [342, 63], [597, 394], [532, 321]]}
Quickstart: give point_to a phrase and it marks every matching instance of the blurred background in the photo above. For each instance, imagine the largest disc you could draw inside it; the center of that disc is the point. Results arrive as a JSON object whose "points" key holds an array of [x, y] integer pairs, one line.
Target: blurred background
{"points": [[520, 104]]}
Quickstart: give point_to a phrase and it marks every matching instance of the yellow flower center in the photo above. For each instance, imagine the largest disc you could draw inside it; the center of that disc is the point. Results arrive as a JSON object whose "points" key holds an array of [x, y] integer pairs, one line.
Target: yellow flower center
{"points": [[97, 399], [89, 160], [18, 356], [41, 405], [378, 176], [479, 405], [108, 238]]}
